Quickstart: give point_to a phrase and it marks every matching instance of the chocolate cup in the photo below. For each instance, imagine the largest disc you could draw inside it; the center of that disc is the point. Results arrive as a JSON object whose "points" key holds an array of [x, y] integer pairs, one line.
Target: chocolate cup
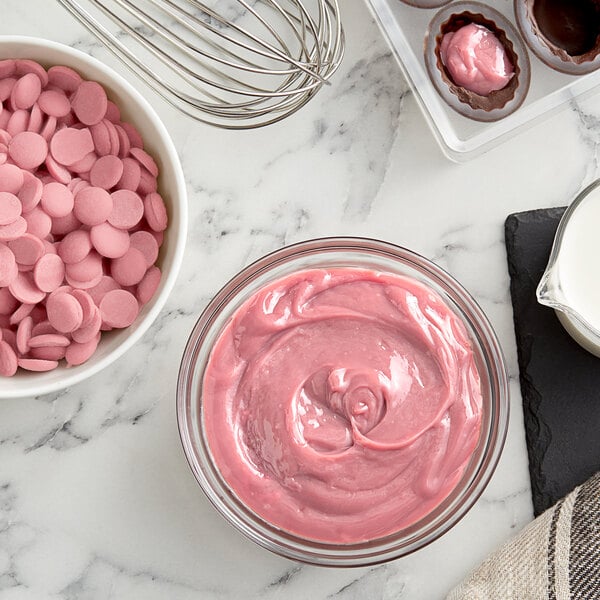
{"points": [[496, 98], [552, 54], [499, 103]]}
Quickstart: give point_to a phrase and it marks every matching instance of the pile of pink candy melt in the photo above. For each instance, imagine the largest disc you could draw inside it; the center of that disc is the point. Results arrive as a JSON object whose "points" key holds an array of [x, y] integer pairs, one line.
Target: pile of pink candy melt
{"points": [[81, 222]]}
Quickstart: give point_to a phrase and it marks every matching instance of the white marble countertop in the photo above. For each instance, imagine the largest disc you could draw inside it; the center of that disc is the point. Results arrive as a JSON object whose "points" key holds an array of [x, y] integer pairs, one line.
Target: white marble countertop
{"points": [[96, 499]]}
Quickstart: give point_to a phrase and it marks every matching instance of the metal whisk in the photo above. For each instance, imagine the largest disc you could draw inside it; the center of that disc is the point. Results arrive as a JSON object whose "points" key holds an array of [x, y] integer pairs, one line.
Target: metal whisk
{"points": [[236, 64]]}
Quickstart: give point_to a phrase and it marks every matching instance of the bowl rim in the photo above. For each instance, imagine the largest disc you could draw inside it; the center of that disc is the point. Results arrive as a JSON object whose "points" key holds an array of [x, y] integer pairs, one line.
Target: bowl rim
{"points": [[88, 370], [313, 552]]}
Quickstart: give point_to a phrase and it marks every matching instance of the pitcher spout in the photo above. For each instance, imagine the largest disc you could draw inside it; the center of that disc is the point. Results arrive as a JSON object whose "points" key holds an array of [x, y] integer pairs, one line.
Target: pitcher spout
{"points": [[549, 292]]}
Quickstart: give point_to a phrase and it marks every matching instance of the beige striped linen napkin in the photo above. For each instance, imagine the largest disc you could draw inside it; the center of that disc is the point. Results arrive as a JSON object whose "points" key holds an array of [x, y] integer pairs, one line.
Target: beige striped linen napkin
{"points": [[556, 557]]}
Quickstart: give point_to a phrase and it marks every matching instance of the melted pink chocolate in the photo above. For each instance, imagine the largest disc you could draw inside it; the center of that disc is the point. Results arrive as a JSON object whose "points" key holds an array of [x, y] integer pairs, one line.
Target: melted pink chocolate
{"points": [[342, 405], [476, 59]]}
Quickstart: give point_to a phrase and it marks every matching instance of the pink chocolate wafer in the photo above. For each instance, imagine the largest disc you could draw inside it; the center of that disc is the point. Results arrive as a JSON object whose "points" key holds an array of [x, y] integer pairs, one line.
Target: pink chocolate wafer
{"points": [[18, 122], [21, 313], [146, 244], [11, 179], [49, 272], [5, 115], [64, 312], [37, 222], [26, 91], [48, 128], [147, 183], [8, 303], [28, 150], [8, 265], [113, 136], [64, 78], [119, 308], [65, 225], [78, 353], [155, 212], [30, 193], [24, 66], [101, 138], [148, 285], [10, 208], [70, 145], [90, 103], [6, 87], [37, 365], [106, 172], [14, 230], [57, 199], [27, 249], [24, 335], [55, 104], [83, 284], [133, 134], [124, 143], [10, 337], [60, 173], [63, 289], [36, 119], [106, 284], [85, 164], [8, 360], [86, 333], [42, 328], [86, 270], [132, 174], [113, 113], [87, 306], [24, 289], [109, 241], [130, 268], [75, 246], [48, 352], [145, 160], [93, 206], [128, 209], [7, 67], [49, 340]]}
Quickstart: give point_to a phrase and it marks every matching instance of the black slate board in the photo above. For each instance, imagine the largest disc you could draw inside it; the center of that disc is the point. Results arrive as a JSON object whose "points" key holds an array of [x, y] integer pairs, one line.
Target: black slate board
{"points": [[560, 382]]}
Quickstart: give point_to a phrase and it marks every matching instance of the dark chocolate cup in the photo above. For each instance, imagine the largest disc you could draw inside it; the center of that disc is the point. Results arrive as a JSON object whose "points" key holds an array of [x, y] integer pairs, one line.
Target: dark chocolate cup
{"points": [[549, 53], [498, 104]]}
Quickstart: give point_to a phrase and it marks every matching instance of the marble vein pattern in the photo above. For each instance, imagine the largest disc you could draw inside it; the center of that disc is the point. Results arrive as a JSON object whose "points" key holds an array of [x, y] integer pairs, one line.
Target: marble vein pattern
{"points": [[96, 500]]}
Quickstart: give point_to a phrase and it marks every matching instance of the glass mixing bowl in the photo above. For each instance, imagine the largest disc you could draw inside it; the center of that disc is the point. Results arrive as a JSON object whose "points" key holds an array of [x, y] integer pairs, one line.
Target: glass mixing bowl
{"points": [[330, 253]]}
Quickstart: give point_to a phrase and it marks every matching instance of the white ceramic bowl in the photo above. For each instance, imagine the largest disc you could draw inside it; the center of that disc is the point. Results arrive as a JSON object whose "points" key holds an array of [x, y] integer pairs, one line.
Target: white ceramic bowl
{"points": [[136, 110]]}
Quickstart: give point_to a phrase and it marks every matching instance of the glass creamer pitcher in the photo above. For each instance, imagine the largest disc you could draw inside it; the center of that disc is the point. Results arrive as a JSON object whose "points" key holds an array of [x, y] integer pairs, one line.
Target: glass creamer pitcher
{"points": [[571, 282]]}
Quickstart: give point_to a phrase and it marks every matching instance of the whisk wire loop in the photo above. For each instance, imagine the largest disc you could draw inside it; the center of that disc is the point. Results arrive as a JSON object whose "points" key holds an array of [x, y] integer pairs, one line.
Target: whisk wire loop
{"points": [[237, 64]]}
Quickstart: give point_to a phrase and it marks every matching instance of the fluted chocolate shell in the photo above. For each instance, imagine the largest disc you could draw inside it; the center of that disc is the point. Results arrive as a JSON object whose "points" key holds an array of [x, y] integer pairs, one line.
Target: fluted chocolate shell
{"points": [[497, 98]]}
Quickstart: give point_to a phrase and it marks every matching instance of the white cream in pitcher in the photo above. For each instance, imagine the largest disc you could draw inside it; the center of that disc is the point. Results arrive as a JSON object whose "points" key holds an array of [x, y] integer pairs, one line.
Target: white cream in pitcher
{"points": [[571, 283]]}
